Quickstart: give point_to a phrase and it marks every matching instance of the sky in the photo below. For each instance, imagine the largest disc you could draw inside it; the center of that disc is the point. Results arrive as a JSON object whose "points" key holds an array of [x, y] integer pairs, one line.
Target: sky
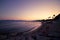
{"points": [[28, 9]]}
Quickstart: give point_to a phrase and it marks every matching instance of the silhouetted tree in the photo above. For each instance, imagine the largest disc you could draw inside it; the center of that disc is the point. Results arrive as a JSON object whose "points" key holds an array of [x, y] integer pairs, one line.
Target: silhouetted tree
{"points": [[53, 16]]}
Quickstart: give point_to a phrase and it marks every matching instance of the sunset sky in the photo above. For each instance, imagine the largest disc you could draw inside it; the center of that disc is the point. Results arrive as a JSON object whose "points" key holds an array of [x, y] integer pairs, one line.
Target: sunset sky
{"points": [[28, 9]]}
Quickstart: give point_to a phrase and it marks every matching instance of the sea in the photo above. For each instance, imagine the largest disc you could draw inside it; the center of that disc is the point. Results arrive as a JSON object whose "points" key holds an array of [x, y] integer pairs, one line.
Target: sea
{"points": [[18, 26]]}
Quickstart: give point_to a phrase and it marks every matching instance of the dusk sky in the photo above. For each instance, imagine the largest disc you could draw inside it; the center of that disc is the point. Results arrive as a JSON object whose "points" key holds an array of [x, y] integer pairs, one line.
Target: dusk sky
{"points": [[28, 9]]}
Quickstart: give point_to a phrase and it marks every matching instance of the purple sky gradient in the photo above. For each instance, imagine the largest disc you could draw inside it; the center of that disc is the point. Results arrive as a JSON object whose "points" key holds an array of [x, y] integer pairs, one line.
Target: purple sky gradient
{"points": [[28, 9]]}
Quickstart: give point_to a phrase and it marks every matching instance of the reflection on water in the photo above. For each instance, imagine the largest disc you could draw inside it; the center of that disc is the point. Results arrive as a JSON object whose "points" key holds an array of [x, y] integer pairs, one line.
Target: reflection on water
{"points": [[19, 26]]}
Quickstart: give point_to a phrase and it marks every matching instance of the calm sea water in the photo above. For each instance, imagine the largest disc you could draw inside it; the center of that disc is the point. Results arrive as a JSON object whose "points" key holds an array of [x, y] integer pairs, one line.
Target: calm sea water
{"points": [[18, 26]]}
